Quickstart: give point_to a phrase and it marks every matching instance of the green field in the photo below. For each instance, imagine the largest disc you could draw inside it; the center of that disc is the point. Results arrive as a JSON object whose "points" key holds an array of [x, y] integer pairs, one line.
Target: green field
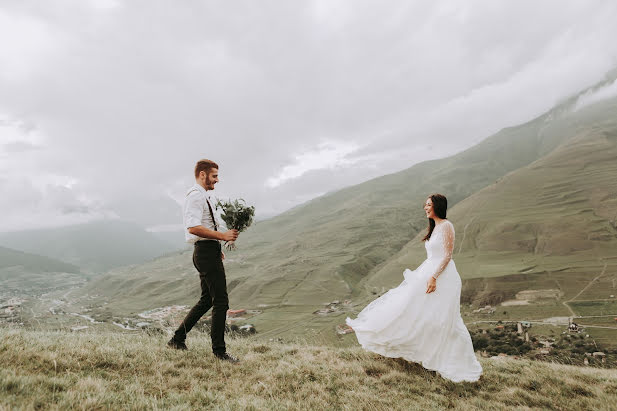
{"points": [[584, 308]]}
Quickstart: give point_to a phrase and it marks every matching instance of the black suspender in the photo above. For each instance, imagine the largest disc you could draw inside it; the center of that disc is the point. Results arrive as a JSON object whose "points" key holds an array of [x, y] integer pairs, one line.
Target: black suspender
{"points": [[209, 208], [212, 215]]}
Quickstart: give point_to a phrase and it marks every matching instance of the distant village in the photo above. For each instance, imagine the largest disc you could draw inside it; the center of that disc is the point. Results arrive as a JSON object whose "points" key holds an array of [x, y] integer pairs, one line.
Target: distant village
{"points": [[152, 321], [9, 309], [169, 316], [495, 339], [512, 339], [333, 307], [336, 307]]}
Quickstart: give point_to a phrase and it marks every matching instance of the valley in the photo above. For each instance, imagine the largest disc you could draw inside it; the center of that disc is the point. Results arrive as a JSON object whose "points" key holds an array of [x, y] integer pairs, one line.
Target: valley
{"points": [[534, 211]]}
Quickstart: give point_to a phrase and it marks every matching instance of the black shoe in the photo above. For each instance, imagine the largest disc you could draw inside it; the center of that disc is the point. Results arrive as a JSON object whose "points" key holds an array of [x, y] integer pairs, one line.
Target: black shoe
{"points": [[178, 345], [227, 357]]}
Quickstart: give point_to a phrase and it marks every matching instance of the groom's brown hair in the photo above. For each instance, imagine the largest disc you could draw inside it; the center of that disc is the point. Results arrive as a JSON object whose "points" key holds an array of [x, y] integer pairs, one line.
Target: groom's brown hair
{"points": [[204, 165]]}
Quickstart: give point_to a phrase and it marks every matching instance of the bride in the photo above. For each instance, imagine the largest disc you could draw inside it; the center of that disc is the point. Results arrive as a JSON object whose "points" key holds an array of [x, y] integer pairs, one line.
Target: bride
{"points": [[420, 320]]}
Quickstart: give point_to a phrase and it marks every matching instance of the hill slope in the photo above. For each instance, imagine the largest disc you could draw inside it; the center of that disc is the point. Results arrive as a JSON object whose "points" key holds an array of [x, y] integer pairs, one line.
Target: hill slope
{"points": [[291, 265], [32, 262], [96, 246], [69, 370], [542, 241], [25, 275], [559, 211]]}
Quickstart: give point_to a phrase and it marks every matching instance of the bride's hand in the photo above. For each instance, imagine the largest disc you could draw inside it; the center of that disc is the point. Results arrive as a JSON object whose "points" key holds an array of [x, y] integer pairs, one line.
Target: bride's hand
{"points": [[431, 285]]}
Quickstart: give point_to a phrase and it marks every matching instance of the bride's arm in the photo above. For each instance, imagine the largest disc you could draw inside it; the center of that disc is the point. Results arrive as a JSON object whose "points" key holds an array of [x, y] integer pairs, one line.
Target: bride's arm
{"points": [[448, 244]]}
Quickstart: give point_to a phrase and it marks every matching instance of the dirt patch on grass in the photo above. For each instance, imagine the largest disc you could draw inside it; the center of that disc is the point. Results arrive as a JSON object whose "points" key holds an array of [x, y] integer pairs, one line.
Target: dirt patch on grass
{"points": [[515, 302], [531, 295], [526, 296]]}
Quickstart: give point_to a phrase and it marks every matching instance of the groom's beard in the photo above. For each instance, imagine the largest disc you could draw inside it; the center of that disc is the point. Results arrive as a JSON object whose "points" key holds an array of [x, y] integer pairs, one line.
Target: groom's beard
{"points": [[209, 184]]}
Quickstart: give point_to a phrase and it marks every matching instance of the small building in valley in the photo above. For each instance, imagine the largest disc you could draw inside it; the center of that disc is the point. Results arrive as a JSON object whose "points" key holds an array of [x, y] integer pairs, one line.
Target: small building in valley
{"points": [[487, 309], [344, 329], [600, 355], [247, 329], [236, 313]]}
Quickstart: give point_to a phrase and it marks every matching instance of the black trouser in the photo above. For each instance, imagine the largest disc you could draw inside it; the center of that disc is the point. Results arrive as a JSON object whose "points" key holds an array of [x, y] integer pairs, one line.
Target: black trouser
{"points": [[207, 260]]}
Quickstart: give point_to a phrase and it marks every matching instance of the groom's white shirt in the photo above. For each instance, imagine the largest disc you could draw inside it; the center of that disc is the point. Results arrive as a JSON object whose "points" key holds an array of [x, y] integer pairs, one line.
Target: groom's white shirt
{"points": [[196, 213]]}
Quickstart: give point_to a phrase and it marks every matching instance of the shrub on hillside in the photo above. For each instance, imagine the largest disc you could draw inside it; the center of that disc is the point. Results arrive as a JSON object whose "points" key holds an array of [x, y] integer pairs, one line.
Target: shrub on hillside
{"points": [[480, 343], [494, 297]]}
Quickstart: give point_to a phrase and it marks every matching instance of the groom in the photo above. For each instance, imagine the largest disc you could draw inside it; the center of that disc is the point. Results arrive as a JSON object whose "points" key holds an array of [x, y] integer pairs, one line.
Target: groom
{"points": [[202, 230]]}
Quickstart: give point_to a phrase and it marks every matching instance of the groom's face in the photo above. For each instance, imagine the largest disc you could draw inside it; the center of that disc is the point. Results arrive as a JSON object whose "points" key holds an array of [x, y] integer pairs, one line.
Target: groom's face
{"points": [[212, 177]]}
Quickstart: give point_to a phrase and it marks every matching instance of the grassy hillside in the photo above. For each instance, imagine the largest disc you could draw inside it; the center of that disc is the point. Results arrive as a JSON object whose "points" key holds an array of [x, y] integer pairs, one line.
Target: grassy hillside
{"points": [[542, 241], [112, 371], [32, 262], [24, 275], [95, 247], [559, 212], [340, 246]]}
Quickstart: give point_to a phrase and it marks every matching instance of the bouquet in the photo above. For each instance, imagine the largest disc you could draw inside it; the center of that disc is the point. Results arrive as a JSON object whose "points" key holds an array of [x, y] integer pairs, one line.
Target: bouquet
{"points": [[237, 216]]}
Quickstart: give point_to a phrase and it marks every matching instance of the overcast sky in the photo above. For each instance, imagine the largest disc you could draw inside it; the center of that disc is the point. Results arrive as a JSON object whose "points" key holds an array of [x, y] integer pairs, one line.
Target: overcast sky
{"points": [[105, 106]]}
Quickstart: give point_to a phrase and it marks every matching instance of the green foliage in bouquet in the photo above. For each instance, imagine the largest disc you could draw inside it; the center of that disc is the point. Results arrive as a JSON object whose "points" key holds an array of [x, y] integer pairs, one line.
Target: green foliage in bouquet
{"points": [[237, 216]]}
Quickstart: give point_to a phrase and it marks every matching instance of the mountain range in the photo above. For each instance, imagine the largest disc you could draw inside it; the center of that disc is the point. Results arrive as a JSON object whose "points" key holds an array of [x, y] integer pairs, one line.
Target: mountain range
{"points": [[94, 247], [533, 206], [24, 274]]}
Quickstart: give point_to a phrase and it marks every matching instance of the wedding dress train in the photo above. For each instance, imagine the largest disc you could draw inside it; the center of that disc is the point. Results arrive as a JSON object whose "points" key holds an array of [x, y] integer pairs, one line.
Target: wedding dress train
{"points": [[408, 323]]}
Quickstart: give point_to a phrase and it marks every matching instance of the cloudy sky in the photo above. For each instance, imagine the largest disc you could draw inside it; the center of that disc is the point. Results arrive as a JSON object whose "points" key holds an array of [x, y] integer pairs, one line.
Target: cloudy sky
{"points": [[105, 105]]}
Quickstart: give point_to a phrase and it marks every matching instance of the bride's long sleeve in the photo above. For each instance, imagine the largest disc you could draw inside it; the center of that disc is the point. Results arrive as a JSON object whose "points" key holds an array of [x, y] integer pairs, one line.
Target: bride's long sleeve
{"points": [[447, 236]]}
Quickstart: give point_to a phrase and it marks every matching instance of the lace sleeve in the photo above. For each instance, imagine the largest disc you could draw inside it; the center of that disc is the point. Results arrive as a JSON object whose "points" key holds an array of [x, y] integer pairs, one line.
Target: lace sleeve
{"points": [[447, 236]]}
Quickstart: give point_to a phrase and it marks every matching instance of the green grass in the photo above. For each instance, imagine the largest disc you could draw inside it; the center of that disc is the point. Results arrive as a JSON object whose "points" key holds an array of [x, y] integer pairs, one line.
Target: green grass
{"points": [[531, 312], [595, 307], [604, 337], [111, 371], [605, 321]]}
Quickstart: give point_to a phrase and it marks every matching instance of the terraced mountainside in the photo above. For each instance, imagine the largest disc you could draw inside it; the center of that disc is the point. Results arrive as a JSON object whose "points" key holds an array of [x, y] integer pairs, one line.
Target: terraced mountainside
{"points": [[352, 244]]}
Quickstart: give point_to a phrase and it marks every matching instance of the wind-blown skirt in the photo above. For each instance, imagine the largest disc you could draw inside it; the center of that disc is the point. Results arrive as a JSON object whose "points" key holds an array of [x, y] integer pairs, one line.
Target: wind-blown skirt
{"points": [[425, 328]]}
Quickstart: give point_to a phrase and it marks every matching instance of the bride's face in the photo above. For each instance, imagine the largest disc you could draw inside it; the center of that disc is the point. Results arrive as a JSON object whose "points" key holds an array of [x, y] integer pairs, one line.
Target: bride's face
{"points": [[428, 208]]}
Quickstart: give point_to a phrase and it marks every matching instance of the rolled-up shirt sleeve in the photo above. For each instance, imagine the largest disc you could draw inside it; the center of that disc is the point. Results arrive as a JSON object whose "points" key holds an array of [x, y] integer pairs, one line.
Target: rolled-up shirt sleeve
{"points": [[193, 210]]}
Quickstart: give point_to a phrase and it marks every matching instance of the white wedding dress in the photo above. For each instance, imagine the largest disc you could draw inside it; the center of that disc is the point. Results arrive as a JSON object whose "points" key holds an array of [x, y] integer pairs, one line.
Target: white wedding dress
{"points": [[408, 323]]}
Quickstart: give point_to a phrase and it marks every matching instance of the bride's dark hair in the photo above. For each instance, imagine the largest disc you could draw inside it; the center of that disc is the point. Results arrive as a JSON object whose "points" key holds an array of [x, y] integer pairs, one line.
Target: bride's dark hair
{"points": [[440, 205]]}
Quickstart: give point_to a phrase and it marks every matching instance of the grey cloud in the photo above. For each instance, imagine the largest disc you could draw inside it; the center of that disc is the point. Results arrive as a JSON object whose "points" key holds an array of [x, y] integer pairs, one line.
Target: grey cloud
{"points": [[129, 97], [18, 147]]}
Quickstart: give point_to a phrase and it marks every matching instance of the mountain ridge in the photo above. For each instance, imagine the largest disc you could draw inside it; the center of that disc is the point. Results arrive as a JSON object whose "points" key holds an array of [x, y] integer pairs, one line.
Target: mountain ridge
{"points": [[334, 247], [96, 246], [591, 148], [13, 258]]}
